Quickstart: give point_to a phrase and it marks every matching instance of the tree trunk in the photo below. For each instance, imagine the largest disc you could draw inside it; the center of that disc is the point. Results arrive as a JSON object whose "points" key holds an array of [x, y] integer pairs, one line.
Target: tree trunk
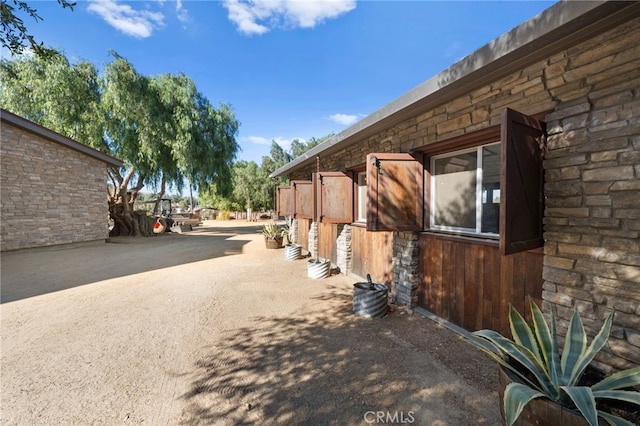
{"points": [[125, 223], [156, 207], [121, 208], [121, 211]]}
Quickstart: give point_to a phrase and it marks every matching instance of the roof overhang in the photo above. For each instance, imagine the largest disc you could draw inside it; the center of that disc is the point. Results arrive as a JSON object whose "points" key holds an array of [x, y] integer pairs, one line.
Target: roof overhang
{"points": [[564, 24], [30, 126]]}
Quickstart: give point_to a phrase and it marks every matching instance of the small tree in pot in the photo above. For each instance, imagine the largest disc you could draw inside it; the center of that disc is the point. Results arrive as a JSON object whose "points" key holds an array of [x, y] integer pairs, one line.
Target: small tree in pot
{"points": [[538, 370]]}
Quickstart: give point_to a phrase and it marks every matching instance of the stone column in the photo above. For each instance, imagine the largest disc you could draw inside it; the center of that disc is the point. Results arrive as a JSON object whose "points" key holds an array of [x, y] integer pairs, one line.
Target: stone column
{"points": [[406, 277], [293, 231], [313, 240], [343, 242]]}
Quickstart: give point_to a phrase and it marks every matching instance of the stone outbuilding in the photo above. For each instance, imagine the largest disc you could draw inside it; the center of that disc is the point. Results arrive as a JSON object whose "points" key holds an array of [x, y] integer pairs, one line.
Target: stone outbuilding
{"points": [[512, 175], [53, 189]]}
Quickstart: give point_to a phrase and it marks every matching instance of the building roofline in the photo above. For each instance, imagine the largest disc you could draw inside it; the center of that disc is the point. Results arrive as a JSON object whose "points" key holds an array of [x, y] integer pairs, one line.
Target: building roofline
{"points": [[561, 25], [30, 126]]}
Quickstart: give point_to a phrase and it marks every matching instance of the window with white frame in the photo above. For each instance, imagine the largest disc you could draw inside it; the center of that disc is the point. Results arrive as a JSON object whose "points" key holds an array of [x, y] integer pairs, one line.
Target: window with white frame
{"points": [[465, 190], [361, 214]]}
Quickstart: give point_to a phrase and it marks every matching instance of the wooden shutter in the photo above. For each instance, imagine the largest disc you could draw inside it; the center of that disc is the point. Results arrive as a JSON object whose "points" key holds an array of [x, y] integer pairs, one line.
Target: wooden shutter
{"points": [[521, 182], [284, 204], [394, 192], [334, 197], [303, 201]]}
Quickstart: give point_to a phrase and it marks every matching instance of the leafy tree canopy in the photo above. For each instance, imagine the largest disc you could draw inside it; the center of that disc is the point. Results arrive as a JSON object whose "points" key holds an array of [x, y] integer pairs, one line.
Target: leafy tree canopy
{"points": [[162, 127], [252, 186], [13, 30]]}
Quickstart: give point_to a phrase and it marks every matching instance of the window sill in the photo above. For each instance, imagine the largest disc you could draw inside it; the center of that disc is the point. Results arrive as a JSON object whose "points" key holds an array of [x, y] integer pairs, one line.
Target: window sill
{"points": [[477, 239], [359, 224]]}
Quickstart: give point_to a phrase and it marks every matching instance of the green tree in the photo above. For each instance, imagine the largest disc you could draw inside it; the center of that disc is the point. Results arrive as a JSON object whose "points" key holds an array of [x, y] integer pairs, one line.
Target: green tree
{"points": [[298, 148], [35, 88], [278, 157], [13, 30], [249, 186], [180, 135], [249, 190], [162, 127]]}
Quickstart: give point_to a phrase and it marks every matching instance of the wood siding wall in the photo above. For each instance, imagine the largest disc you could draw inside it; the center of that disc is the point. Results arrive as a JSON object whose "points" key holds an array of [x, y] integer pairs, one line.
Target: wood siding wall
{"points": [[327, 246], [303, 233], [372, 254], [472, 285]]}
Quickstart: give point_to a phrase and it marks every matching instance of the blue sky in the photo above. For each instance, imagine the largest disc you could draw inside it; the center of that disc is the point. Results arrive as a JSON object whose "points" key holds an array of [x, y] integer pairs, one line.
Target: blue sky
{"points": [[289, 69]]}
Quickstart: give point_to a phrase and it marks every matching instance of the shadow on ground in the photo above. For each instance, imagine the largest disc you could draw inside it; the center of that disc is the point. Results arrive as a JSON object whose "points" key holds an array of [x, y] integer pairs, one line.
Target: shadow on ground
{"points": [[33, 272], [331, 367]]}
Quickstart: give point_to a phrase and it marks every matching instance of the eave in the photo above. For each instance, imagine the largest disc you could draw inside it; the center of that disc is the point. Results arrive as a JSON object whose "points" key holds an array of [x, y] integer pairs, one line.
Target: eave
{"points": [[31, 127], [564, 24]]}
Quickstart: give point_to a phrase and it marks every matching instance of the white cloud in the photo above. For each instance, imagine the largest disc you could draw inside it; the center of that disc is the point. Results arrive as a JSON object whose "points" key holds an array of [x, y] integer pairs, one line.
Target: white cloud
{"points": [[136, 23], [283, 142], [181, 13], [344, 119], [259, 140], [260, 16]]}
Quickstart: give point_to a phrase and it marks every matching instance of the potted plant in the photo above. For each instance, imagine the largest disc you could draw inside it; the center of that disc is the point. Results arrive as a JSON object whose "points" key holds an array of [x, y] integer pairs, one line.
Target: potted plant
{"points": [[286, 230], [272, 235], [537, 370], [292, 251]]}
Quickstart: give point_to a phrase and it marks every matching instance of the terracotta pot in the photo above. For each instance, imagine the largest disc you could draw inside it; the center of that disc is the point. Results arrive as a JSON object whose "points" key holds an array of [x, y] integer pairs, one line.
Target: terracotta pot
{"points": [[273, 243], [540, 411]]}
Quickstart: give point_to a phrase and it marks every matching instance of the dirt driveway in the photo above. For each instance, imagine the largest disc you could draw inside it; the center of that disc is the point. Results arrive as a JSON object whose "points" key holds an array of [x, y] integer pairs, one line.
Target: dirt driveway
{"points": [[209, 327]]}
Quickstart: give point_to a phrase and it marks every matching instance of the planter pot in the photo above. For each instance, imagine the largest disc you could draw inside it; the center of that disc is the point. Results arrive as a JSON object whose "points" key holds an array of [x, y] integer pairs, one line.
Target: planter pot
{"points": [[318, 268], [292, 252], [370, 299], [273, 243], [540, 411]]}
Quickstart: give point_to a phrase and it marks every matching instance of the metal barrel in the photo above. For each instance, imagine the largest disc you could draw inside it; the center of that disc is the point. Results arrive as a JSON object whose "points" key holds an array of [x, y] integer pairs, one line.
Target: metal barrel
{"points": [[370, 300], [318, 268], [292, 252]]}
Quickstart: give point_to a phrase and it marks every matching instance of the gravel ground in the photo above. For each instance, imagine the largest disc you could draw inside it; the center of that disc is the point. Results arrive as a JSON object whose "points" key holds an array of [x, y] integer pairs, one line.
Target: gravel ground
{"points": [[209, 327]]}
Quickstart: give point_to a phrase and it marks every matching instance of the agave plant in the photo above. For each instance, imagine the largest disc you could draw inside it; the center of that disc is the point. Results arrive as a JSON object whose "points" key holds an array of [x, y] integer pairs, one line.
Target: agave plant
{"points": [[271, 230], [286, 230], [534, 350]]}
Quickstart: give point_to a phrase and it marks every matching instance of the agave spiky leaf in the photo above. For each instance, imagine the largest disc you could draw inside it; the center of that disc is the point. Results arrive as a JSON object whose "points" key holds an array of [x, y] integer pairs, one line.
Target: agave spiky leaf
{"points": [[575, 346], [590, 353], [584, 400], [516, 397], [501, 360], [547, 341], [521, 331], [632, 397], [522, 356], [621, 379]]}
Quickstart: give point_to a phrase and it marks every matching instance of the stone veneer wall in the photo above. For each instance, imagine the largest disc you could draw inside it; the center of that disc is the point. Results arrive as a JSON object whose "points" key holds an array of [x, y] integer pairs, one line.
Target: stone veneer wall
{"points": [[592, 224], [592, 172], [50, 194]]}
